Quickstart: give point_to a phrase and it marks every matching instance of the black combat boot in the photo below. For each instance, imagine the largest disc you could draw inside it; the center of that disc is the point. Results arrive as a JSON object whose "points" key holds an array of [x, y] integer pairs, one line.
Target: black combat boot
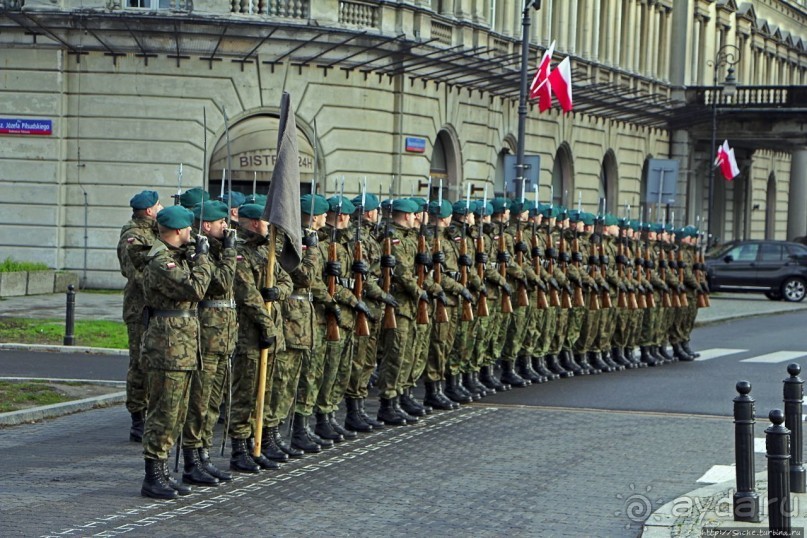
{"points": [[388, 415], [324, 429], [193, 472], [396, 405], [347, 434], [510, 377], [212, 470], [647, 356], [554, 366], [300, 438], [411, 405], [619, 358], [452, 391], [680, 354], [177, 486], [595, 360], [138, 425], [587, 368], [376, 424], [466, 381], [269, 447], [353, 419], [539, 365], [262, 461], [606, 358], [632, 357], [286, 447], [240, 461], [664, 353], [689, 351], [479, 385], [571, 364], [489, 380], [436, 399], [155, 485], [525, 370]]}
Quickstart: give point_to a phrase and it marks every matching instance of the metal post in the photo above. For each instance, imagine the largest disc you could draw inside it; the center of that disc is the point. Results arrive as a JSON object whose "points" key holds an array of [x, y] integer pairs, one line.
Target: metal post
{"points": [[70, 317], [522, 95], [746, 500], [711, 165], [793, 397], [777, 444]]}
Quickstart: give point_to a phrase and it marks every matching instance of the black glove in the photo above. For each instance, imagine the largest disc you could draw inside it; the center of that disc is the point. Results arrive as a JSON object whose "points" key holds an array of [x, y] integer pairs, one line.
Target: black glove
{"points": [[662, 264], [265, 342], [642, 289], [361, 306], [507, 288], [564, 257], [481, 257], [681, 288], [441, 296], [270, 295], [639, 262], [541, 284], [666, 288], [673, 264], [682, 265], [388, 261], [605, 260], [536, 252], [649, 264], [551, 253], [333, 269], [423, 258], [466, 295], [333, 309], [483, 290], [387, 298], [605, 286], [554, 283], [594, 287], [310, 240], [463, 260], [649, 286], [622, 260], [521, 246], [503, 257], [424, 297], [202, 246], [705, 286], [569, 289], [593, 260], [439, 258], [622, 287], [577, 257], [229, 239], [360, 267]]}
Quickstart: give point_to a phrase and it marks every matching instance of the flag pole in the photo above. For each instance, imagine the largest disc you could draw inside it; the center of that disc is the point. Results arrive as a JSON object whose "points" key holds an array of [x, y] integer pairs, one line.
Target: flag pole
{"points": [[522, 95], [269, 282]]}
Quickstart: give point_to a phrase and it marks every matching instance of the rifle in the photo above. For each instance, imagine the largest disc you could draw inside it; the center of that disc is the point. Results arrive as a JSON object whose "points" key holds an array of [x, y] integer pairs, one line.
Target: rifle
{"points": [[703, 298], [576, 256], [605, 295], [540, 294], [593, 265], [565, 296], [179, 186], [650, 298], [554, 299], [507, 306], [440, 313], [622, 295], [522, 299], [386, 272], [332, 325], [666, 300], [422, 317], [682, 295], [467, 309], [362, 327], [482, 303]]}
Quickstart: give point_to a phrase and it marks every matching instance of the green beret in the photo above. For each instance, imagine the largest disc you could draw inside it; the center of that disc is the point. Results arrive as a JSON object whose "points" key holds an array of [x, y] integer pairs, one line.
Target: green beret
{"points": [[622, 223], [405, 205], [320, 204], [386, 204], [441, 211], [193, 196], [517, 207], [234, 199], [144, 200], [610, 220], [459, 207], [370, 201], [175, 217], [690, 231], [500, 205], [550, 212], [347, 206], [251, 211], [586, 218], [259, 199], [574, 215], [483, 209], [214, 210], [420, 202]]}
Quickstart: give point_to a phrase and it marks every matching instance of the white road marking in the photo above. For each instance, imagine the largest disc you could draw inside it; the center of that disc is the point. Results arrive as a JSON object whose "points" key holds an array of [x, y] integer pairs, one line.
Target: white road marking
{"points": [[759, 445], [714, 353], [717, 474], [777, 356]]}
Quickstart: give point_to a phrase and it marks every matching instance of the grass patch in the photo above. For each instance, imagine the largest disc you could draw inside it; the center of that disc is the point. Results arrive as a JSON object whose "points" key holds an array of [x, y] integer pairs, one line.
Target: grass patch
{"points": [[9, 266], [15, 395], [98, 291], [111, 334]]}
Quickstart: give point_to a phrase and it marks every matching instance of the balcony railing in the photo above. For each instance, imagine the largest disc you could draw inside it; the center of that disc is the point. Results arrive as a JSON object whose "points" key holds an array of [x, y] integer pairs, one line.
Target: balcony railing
{"points": [[289, 9], [442, 32], [358, 14], [749, 96]]}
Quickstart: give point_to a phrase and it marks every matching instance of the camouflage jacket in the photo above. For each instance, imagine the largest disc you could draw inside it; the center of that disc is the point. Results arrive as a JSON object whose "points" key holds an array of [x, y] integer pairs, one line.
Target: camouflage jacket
{"points": [[172, 283], [492, 274], [136, 239], [454, 239], [404, 279], [343, 288], [254, 320], [299, 324], [218, 323], [371, 255]]}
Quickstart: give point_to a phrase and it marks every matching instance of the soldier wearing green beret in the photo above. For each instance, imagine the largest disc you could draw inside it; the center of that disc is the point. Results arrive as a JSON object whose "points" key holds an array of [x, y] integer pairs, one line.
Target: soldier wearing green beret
{"points": [[234, 200], [217, 335], [136, 238], [174, 281], [258, 329], [684, 318], [191, 197]]}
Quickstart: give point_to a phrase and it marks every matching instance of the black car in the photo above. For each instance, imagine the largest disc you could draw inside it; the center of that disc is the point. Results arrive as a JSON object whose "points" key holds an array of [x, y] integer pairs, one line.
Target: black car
{"points": [[776, 268]]}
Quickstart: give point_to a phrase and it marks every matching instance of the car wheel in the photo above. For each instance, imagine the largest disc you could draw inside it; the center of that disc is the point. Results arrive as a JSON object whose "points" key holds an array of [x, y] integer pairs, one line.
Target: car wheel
{"points": [[773, 295], [794, 289]]}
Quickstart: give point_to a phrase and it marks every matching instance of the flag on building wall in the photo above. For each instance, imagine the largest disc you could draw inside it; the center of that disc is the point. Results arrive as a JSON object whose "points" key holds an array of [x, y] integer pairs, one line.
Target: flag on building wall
{"points": [[561, 81], [727, 162], [540, 88]]}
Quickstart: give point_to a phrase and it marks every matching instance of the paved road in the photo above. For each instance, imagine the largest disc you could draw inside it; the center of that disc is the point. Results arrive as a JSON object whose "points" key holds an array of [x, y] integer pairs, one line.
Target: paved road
{"points": [[63, 365]]}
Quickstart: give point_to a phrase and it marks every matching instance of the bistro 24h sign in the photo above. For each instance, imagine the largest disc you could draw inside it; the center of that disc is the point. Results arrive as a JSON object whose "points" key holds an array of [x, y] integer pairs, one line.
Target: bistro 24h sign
{"points": [[18, 126]]}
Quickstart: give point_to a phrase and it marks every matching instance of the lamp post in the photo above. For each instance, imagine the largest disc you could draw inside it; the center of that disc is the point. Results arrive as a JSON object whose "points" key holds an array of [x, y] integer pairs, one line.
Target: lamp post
{"points": [[522, 94], [729, 56]]}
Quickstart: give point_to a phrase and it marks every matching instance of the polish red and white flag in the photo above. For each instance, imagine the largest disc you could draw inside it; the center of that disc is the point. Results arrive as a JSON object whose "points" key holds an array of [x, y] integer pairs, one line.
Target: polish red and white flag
{"points": [[561, 81], [540, 88], [727, 161]]}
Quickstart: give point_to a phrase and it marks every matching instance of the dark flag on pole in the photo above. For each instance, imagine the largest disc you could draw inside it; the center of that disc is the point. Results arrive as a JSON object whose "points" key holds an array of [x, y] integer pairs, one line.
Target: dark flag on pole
{"points": [[283, 198]]}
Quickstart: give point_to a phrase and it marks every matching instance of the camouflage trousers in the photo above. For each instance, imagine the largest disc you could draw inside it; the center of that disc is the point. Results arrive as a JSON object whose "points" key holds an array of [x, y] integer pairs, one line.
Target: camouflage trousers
{"points": [[546, 330], [605, 336], [574, 327], [623, 326], [364, 362], [480, 334], [166, 411], [311, 370], [536, 318], [649, 324], [285, 378], [461, 356], [411, 370], [245, 390], [499, 337], [441, 344], [395, 345], [561, 326], [336, 373], [516, 331], [207, 388], [684, 321], [136, 377]]}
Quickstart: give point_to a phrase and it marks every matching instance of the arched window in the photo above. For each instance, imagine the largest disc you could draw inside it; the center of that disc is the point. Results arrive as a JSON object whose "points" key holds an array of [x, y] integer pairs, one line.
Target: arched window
{"points": [[563, 176], [770, 208]]}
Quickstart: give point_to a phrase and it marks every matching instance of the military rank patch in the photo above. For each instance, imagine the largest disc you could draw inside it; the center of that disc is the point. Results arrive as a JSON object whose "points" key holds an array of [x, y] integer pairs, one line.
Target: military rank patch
{"points": [[170, 265]]}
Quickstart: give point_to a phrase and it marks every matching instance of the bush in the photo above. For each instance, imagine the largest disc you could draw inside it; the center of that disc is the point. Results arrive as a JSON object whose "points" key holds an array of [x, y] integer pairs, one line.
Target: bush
{"points": [[8, 266]]}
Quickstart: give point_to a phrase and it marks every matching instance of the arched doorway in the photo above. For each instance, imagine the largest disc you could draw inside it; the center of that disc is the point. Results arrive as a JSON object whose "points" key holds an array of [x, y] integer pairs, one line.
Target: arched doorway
{"points": [[770, 208], [508, 148], [445, 164], [609, 183], [252, 156], [563, 176]]}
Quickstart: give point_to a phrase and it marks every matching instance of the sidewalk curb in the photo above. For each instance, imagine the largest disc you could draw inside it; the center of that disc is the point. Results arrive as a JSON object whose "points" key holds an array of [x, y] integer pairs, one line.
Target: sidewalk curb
{"points": [[34, 414], [708, 322], [52, 348]]}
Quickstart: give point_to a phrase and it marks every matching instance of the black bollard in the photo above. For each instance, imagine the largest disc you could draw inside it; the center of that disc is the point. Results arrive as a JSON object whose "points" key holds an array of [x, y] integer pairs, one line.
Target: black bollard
{"points": [[777, 445], [794, 395], [746, 500], [70, 317]]}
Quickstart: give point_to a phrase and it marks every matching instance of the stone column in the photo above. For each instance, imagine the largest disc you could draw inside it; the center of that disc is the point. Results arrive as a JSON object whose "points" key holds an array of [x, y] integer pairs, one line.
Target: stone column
{"points": [[594, 52], [572, 31], [796, 208]]}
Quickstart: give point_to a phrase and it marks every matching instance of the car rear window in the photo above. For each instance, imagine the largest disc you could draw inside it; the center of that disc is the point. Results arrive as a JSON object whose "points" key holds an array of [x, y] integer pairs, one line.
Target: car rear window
{"points": [[744, 253], [770, 252]]}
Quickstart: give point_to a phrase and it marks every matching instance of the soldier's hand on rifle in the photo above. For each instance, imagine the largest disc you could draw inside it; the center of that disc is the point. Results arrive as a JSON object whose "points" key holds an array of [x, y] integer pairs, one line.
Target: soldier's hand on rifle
{"points": [[705, 286], [681, 288], [649, 287], [564, 257], [266, 341], [507, 288], [594, 287], [541, 284], [441, 296], [605, 286], [388, 261], [310, 239], [481, 257], [229, 239], [605, 260], [202, 246], [387, 298], [270, 295], [424, 259], [333, 309], [439, 257], [423, 296], [622, 287], [466, 295], [642, 289], [333, 269], [551, 253], [577, 256], [360, 267], [463, 260], [554, 283], [483, 290], [569, 289], [536, 252], [361, 307], [521, 247], [503, 257], [621, 259]]}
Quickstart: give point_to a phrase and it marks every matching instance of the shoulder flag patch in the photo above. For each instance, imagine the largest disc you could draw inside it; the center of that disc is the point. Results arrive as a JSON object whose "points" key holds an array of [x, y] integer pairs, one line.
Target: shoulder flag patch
{"points": [[170, 265], [130, 239], [458, 238], [396, 241], [239, 258]]}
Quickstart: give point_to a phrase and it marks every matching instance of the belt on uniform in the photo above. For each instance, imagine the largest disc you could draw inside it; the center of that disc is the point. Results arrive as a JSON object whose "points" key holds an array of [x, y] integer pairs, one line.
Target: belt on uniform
{"points": [[302, 296], [347, 282], [173, 313], [216, 304], [453, 274]]}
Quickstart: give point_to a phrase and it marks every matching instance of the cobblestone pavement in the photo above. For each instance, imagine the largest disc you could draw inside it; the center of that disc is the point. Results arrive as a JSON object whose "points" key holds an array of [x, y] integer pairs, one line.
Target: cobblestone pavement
{"points": [[479, 471]]}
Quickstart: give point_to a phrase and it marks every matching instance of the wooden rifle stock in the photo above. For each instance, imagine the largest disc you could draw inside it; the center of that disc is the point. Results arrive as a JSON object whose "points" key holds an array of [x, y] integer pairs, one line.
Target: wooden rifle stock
{"points": [[507, 306], [331, 324], [649, 297], [422, 316], [481, 303], [554, 299], [440, 313], [386, 284], [362, 327], [578, 289], [666, 300], [522, 299], [540, 294], [703, 298], [622, 295], [593, 296], [565, 297], [467, 311], [680, 259], [675, 297]]}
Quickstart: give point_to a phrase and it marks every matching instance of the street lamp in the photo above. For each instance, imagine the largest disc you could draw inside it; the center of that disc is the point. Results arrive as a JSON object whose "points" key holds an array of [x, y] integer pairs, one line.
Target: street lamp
{"points": [[728, 56], [522, 95]]}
